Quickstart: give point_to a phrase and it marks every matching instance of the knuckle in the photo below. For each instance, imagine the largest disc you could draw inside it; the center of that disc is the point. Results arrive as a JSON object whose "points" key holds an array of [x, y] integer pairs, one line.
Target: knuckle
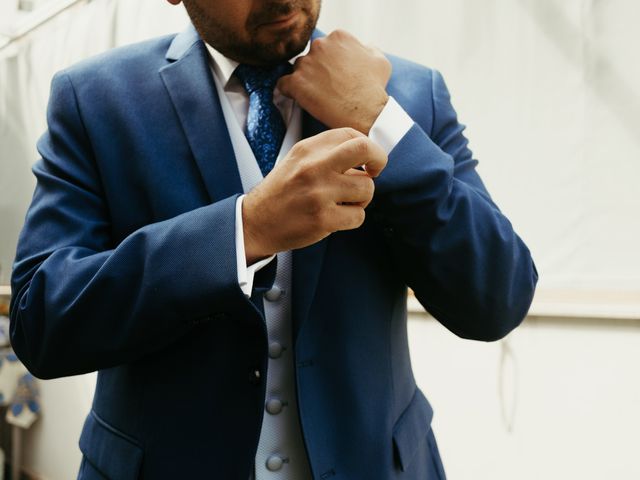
{"points": [[299, 63], [341, 221], [365, 189], [339, 34], [301, 149], [360, 146], [360, 187], [386, 64], [306, 174], [351, 133], [359, 217], [375, 52], [370, 188], [349, 220], [317, 45], [284, 85], [293, 80]]}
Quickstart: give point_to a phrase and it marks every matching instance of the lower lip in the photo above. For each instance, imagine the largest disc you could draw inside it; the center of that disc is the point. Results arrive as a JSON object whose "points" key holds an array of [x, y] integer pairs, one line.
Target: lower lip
{"points": [[285, 22]]}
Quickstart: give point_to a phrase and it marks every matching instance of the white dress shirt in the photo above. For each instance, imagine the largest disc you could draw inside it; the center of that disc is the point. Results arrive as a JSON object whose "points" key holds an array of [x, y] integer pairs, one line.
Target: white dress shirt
{"points": [[281, 454]]}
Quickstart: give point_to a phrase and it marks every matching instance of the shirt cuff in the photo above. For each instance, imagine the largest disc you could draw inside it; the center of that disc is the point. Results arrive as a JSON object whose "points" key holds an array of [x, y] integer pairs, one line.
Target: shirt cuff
{"points": [[392, 124], [245, 273]]}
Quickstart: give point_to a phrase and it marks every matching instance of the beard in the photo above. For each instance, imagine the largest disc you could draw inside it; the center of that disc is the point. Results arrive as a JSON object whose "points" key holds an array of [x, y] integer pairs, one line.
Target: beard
{"points": [[247, 46]]}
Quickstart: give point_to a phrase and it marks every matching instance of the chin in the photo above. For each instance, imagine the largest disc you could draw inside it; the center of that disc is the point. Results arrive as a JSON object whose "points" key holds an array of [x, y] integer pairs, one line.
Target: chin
{"points": [[280, 49]]}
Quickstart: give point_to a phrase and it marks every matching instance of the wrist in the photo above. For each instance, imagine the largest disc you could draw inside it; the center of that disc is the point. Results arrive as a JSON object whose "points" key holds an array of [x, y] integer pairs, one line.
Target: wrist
{"points": [[373, 112], [254, 245]]}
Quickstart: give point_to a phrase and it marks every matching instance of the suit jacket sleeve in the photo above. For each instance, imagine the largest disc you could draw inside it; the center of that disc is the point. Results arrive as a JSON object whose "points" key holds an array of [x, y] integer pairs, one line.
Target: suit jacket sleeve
{"points": [[449, 240], [81, 303]]}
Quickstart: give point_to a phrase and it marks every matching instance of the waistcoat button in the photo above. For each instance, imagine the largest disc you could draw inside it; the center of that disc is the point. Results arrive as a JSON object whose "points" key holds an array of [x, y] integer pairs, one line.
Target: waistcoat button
{"points": [[274, 463], [274, 294], [274, 406], [275, 350]]}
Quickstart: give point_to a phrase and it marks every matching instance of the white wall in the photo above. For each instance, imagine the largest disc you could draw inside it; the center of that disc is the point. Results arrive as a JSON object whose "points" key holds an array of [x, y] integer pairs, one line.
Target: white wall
{"points": [[51, 445], [577, 400]]}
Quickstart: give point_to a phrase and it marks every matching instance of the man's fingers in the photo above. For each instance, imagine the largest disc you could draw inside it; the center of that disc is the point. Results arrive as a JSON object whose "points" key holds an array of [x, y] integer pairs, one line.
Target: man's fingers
{"points": [[357, 173], [347, 217], [288, 84], [285, 86], [354, 189], [325, 141], [357, 152]]}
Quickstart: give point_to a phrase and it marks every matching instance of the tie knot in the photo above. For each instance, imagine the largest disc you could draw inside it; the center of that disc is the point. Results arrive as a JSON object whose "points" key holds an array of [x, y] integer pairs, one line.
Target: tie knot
{"points": [[255, 78]]}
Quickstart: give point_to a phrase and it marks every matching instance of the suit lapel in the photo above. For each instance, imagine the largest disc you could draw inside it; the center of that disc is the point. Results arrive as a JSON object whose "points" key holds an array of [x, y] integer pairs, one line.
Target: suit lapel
{"points": [[189, 82], [307, 262]]}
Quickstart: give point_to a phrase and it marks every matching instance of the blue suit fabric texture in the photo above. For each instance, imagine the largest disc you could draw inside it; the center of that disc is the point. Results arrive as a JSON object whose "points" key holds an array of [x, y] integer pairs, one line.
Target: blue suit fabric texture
{"points": [[127, 266]]}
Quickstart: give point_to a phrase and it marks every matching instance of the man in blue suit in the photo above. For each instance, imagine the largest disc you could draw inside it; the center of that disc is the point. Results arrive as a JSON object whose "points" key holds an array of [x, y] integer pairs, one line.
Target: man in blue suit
{"points": [[259, 335]]}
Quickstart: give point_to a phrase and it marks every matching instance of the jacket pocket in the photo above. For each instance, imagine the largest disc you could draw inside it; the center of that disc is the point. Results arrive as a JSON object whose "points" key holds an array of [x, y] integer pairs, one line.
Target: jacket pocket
{"points": [[411, 429], [109, 452]]}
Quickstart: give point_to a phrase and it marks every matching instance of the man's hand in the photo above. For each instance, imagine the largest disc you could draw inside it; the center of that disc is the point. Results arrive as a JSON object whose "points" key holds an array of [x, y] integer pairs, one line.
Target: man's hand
{"points": [[340, 82], [314, 191]]}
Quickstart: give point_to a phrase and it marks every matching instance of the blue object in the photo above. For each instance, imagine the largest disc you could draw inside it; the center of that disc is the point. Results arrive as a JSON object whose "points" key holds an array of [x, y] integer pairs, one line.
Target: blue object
{"points": [[34, 406], [127, 265], [16, 409], [265, 127]]}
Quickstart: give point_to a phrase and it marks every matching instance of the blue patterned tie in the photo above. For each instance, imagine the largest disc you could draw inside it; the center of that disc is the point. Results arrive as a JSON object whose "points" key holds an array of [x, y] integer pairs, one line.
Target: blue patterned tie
{"points": [[265, 127]]}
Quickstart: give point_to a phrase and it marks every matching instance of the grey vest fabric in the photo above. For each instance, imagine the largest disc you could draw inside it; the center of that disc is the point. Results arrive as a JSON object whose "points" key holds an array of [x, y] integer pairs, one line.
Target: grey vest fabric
{"points": [[281, 453]]}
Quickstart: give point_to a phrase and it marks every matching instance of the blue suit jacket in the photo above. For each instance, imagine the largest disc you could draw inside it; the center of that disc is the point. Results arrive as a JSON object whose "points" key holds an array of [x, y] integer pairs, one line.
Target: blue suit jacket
{"points": [[126, 265]]}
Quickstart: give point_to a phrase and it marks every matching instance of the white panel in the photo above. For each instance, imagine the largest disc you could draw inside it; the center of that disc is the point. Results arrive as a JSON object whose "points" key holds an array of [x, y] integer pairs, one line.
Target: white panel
{"points": [[574, 397]]}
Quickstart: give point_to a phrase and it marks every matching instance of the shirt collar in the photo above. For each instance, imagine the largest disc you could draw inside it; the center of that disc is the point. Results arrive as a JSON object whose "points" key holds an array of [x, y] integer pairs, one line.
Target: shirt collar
{"points": [[224, 66]]}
